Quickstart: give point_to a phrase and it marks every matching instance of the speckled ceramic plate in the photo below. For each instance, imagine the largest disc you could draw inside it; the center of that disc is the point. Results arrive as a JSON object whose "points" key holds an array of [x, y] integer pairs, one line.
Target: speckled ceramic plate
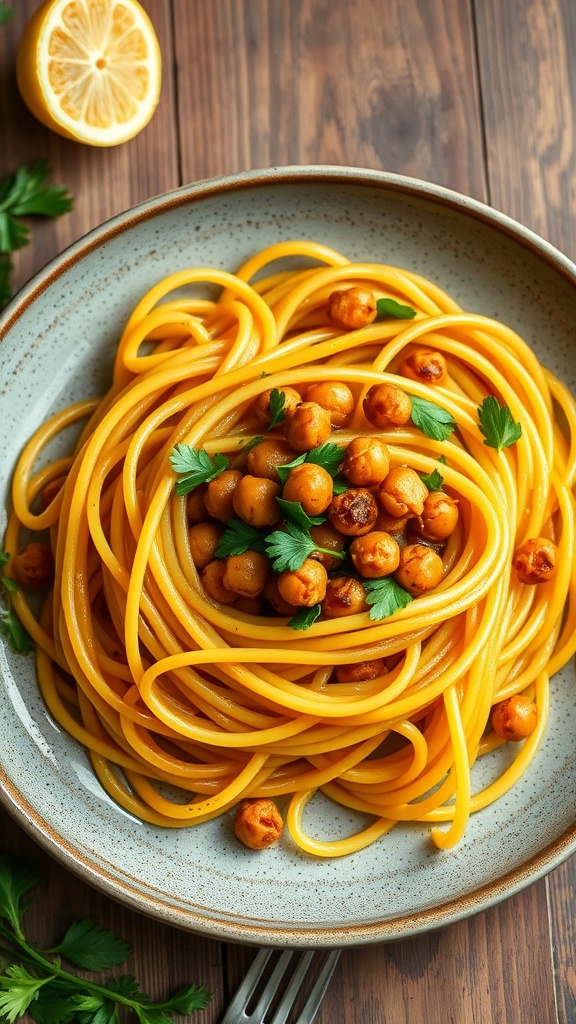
{"points": [[58, 337]]}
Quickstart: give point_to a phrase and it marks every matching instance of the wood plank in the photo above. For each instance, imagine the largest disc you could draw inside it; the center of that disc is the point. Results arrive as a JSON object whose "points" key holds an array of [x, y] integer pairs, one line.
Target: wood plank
{"points": [[376, 84], [528, 82], [562, 886], [103, 181]]}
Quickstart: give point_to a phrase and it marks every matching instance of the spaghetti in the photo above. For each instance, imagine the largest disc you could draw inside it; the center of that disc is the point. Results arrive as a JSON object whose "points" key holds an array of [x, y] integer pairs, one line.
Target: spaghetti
{"points": [[187, 705]]}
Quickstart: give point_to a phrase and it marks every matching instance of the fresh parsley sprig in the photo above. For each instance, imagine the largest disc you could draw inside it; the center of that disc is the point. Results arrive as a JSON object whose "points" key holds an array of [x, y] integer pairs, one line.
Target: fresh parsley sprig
{"points": [[328, 455], [386, 308], [10, 625], [497, 425], [431, 419], [194, 467], [277, 403], [292, 512], [434, 481], [34, 983], [385, 596], [25, 194], [305, 617], [239, 537], [290, 547]]}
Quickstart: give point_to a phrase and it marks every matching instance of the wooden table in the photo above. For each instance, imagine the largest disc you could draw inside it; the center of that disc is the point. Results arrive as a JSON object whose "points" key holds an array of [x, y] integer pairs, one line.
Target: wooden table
{"points": [[478, 95]]}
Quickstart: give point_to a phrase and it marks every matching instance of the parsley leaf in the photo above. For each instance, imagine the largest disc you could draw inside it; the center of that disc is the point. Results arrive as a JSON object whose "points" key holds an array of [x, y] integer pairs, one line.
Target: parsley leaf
{"points": [[18, 638], [195, 467], [389, 307], [290, 547], [16, 879], [433, 480], [284, 470], [87, 945], [18, 988], [6, 13], [24, 194], [293, 512], [328, 455], [431, 419], [497, 425], [237, 538], [277, 403], [247, 446], [385, 597], [305, 617]]}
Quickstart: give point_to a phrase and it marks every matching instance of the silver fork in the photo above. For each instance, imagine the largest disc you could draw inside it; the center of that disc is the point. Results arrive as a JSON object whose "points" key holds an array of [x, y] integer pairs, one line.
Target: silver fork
{"points": [[290, 971]]}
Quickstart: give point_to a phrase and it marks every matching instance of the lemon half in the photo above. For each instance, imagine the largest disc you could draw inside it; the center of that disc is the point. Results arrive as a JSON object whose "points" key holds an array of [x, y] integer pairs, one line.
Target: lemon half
{"points": [[90, 70]]}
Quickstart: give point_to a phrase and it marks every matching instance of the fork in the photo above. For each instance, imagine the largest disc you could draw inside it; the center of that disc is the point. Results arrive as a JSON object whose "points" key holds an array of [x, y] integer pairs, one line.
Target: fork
{"points": [[288, 973]]}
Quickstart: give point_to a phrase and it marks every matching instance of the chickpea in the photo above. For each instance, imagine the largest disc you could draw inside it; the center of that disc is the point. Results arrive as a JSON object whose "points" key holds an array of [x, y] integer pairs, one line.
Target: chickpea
{"points": [[402, 492], [195, 507], [334, 396], [212, 579], [391, 524], [344, 596], [264, 458], [352, 308], [535, 561], [366, 461], [272, 595], [425, 365], [246, 574], [307, 426], [219, 497], [360, 671], [258, 823], [52, 488], [439, 517], [33, 566], [376, 554], [255, 500], [515, 718], [304, 587], [420, 569], [325, 536], [311, 485], [386, 405], [250, 605], [204, 539], [262, 404], [353, 512]]}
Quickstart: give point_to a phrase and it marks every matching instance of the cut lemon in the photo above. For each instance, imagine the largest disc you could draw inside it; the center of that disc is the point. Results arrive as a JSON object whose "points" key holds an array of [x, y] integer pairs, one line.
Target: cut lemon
{"points": [[90, 69]]}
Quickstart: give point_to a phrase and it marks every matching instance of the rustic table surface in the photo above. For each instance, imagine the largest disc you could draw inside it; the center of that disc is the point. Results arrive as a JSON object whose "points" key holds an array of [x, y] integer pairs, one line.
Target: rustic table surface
{"points": [[477, 95]]}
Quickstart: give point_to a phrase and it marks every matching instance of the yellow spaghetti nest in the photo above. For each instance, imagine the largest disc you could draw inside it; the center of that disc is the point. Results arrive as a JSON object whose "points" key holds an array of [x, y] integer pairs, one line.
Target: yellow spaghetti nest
{"points": [[186, 705]]}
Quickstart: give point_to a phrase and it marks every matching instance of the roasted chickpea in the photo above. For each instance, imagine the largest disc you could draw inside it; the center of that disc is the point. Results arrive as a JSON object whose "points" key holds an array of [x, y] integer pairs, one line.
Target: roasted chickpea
{"points": [[305, 586], [307, 426], [204, 539], [195, 508], [262, 404], [360, 671], [439, 517], [334, 396], [246, 574], [515, 718], [33, 566], [344, 596], [402, 492], [258, 823], [265, 457], [219, 497], [212, 579], [391, 524], [535, 561], [352, 308], [325, 536], [366, 461], [272, 595], [52, 488], [420, 569], [311, 485], [386, 405], [425, 365], [250, 605], [255, 500], [353, 512], [376, 554]]}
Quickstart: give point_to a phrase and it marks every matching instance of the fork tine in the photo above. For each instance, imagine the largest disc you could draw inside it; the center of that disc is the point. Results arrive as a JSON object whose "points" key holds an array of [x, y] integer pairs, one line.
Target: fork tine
{"points": [[293, 988], [314, 1000], [271, 987], [245, 990]]}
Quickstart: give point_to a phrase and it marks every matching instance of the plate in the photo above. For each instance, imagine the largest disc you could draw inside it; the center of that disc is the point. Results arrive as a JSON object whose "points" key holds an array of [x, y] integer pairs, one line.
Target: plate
{"points": [[58, 338]]}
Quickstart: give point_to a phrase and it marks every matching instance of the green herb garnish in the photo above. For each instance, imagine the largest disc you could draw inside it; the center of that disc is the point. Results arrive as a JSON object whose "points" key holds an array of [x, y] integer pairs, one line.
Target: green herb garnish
{"points": [[305, 617], [391, 308], [431, 419], [18, 638], [194, 467], [292, 512], [496, 424], [329, 456], [239, 537], [290, 547], [277, 403], [24, 194], [6, 13], [385, 597], [34, 983], [247, 446]]}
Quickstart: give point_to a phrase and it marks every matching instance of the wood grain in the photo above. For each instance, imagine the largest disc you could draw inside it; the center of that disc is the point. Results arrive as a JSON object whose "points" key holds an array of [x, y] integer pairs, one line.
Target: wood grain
{"points": [[477, 95]]}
